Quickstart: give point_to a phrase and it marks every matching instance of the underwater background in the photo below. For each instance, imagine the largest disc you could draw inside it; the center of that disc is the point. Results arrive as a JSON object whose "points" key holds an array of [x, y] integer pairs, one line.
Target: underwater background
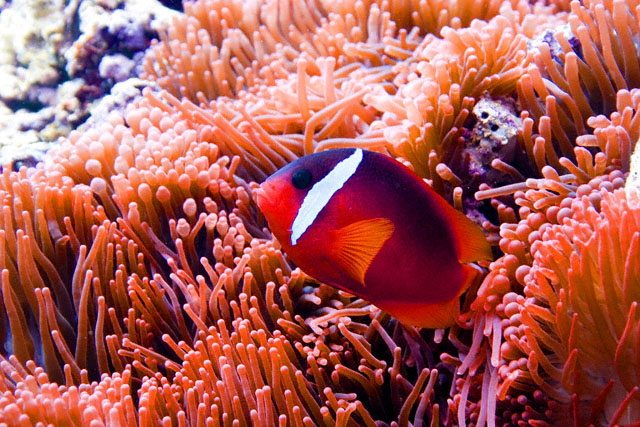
{"points": [[141, 285]]}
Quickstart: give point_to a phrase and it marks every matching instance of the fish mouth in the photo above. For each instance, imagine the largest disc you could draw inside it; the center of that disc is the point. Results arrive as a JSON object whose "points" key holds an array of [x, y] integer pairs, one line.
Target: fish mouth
{"points": [[265, 198]]}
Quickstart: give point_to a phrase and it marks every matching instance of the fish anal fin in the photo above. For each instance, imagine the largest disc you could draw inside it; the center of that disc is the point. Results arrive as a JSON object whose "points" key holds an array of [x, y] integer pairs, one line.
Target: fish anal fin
{"points": [[424, 315], [357, 244], [432, 315], [471, 241]]}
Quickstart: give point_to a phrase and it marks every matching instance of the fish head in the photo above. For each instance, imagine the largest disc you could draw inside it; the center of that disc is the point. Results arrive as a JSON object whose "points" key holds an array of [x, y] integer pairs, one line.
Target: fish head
{"points": [[308, 205], [278, 200], [286, 197]]}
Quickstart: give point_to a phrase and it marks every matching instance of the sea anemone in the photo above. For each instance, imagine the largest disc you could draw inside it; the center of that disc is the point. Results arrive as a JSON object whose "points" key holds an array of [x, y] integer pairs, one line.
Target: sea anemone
{"points": [[138, 276], [165, 277], [577, 322]]}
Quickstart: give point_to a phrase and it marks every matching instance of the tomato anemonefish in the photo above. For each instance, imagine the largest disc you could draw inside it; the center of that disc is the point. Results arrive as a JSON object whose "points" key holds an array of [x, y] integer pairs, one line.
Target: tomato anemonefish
{"points": [[364, 223]]}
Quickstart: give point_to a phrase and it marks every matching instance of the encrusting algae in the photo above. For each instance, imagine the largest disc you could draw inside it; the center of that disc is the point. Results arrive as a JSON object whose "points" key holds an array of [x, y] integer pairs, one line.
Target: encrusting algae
{"points": [[140, 285]]}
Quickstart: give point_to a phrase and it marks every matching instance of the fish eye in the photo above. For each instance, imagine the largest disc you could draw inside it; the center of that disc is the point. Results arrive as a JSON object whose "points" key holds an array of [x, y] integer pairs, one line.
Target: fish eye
{"points": [[301, 179]]}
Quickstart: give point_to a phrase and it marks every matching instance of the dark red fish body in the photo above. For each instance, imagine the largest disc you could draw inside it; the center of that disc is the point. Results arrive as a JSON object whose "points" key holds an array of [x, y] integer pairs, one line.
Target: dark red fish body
{"points": [[364, 223]]}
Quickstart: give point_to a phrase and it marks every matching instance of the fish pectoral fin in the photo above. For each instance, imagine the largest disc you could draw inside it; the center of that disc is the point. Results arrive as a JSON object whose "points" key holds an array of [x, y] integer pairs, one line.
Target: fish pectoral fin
{"points": [[356, 245]]}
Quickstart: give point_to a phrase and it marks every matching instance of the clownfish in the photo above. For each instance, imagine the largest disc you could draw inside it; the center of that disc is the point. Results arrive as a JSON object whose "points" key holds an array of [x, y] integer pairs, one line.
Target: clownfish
{"points": [[364, 223]]}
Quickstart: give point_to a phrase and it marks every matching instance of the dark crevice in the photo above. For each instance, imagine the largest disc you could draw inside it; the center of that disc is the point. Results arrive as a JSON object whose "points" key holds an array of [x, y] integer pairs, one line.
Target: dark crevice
{"points": [[24, 104], [28, 162], [173, 4]]}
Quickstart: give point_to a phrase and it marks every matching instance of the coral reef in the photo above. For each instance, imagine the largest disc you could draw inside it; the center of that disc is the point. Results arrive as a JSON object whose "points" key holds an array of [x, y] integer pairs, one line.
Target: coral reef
{"points": [[140, 284], [57, 59]]}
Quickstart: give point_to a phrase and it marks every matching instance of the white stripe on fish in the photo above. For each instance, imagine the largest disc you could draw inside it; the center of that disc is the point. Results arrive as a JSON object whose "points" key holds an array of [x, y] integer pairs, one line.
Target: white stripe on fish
{"points": [[321, 192]]}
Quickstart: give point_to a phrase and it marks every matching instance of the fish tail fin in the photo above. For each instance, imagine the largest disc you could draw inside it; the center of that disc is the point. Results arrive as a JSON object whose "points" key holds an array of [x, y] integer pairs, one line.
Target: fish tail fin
{"points": [[471, 241], [469, 275]]}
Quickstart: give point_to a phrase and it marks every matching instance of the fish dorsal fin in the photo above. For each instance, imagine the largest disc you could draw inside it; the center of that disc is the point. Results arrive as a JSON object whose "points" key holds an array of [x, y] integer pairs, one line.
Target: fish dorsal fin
{"points": [[356, 245], [471, 242]]}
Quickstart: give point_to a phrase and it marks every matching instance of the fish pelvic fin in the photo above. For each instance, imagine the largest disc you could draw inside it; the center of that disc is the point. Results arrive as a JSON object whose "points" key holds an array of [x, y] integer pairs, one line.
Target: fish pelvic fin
{"points": [[356, 245], [470, 240]]}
